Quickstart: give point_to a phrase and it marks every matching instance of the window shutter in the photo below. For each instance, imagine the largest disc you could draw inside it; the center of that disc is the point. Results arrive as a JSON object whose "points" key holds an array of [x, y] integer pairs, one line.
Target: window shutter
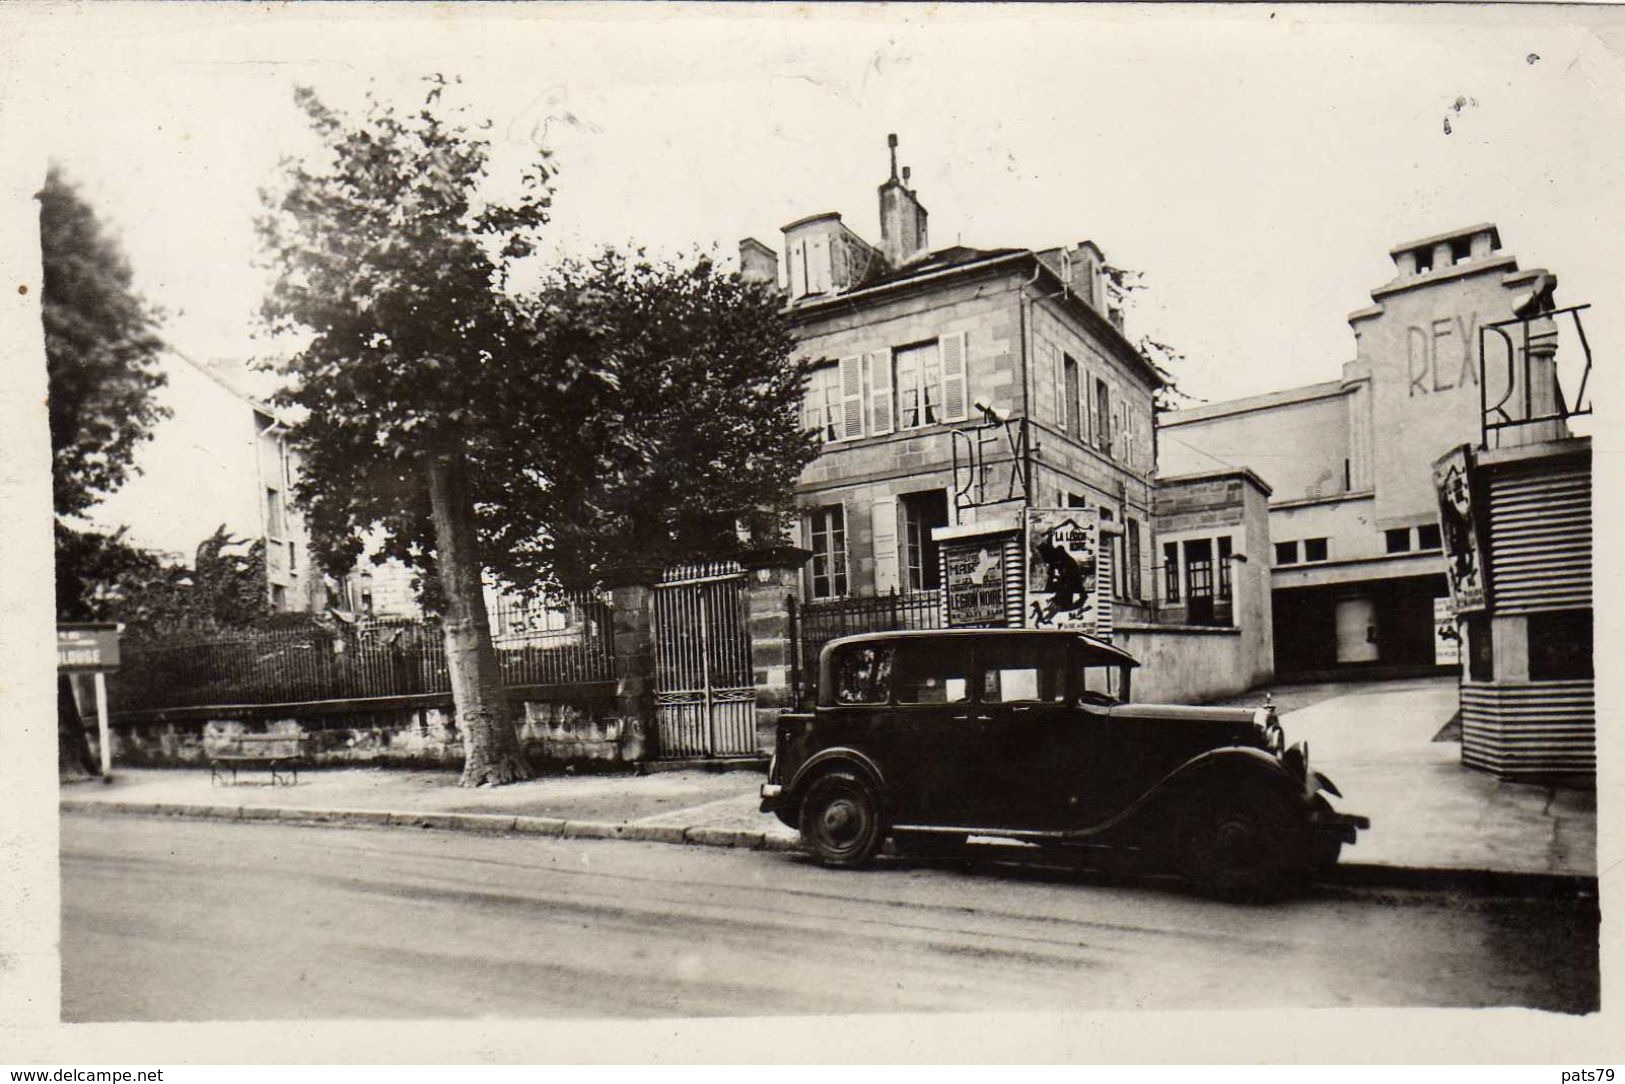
{"points": [[1089, 407], [818, 265], [851, 398], [955, 382], [883, 520], [1058, 369], [880, 394]]}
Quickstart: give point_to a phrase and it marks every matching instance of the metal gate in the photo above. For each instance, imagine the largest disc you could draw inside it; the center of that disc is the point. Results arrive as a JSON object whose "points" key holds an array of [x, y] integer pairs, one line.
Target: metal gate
{"points": [[705, 692]]}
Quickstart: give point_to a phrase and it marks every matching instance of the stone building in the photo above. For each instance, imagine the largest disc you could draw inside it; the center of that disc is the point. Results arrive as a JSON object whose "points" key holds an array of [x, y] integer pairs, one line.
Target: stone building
{"points": [[221, 458], [915, 344], [970, 399], [1358, 575]]}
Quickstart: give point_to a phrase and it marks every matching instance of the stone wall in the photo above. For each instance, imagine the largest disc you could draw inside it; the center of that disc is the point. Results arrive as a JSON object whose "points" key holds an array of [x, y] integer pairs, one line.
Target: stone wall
{"points": [[579, 725], [1186, 664]]}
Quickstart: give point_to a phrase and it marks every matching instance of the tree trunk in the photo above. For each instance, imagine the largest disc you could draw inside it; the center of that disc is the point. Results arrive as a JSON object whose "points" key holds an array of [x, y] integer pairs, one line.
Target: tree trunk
{"points": [[491, 752]]}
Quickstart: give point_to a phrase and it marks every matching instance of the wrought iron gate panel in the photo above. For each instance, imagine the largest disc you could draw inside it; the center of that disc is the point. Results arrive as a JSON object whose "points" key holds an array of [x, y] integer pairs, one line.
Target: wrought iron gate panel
{"points": [[705, 692]]}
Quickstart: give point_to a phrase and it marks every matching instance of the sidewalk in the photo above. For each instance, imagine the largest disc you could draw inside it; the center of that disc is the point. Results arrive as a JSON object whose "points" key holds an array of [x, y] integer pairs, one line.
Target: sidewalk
{"points": [[1430, 817]]}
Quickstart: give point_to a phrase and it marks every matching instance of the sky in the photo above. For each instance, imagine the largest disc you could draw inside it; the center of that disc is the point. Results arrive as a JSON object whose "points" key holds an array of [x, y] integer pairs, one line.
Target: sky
{"points": [[1255, 163]]}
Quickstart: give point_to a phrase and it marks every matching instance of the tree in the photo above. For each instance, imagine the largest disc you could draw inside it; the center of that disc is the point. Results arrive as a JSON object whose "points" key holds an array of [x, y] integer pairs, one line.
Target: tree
{"points": [[626, 411], [390, 253], [101, 360], [685, 423], [222, 590], [101, 352], [1121, 284]]}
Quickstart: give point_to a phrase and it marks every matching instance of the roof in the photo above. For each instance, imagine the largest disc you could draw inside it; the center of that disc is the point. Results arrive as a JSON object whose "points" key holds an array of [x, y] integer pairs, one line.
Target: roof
{"points": [[1111, 652], [1451, 235], [943, 259], [947, 262]]}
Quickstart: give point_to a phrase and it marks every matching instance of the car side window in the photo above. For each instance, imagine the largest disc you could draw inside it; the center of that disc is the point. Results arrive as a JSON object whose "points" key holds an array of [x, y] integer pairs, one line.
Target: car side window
{"points": [[863, 674], [935, 672], [1101, 685], [1023, 671]]}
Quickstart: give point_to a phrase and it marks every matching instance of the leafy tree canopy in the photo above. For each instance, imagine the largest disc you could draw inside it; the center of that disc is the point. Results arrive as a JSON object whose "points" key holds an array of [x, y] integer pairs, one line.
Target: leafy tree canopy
{"points": [[101, 351], [1121, 284], [626, 410], [683, 423], [103, 577], [391, 256]]}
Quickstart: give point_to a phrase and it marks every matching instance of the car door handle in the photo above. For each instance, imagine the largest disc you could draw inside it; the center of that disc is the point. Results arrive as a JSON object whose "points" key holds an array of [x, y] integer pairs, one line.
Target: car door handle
{"points": [[967, 718]]}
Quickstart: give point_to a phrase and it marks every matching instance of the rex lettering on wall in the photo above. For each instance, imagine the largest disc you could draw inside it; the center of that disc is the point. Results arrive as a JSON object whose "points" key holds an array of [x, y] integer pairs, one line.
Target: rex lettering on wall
{"points": [[1433, 363]]}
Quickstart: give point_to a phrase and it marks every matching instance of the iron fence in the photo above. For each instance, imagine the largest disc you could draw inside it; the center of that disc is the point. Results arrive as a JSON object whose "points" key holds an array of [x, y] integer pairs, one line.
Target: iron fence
{"points": [[535, 645], [820, 622]]}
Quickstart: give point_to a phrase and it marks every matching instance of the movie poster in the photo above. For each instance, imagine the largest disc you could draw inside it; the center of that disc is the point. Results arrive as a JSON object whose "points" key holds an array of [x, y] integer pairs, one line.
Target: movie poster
{"points": [[1446, 635], [975, 583], [1458, 528], [1063, 551]]}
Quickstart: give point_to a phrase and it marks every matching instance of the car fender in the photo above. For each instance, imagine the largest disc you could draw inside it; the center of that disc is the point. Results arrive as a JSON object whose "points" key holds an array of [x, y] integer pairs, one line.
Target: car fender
{"points": [[836, 756], [1231, 762]]}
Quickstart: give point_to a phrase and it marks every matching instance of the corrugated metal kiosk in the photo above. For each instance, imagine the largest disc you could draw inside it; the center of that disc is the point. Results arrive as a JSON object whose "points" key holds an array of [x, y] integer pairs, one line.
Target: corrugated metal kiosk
{"points": [[1517, 530]]}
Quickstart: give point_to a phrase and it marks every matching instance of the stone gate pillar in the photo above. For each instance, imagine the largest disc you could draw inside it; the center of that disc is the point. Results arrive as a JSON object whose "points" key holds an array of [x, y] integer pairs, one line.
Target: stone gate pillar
{"points": [[632, 609], [773, 575]]}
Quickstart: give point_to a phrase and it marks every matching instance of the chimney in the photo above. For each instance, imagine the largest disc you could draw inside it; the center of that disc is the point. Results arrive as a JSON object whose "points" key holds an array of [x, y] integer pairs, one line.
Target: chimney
{"points": [[902, 219], [758, 263]]}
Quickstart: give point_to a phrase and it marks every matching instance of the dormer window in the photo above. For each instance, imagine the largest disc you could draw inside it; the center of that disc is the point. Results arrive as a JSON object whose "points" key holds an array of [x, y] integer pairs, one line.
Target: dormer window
{"points": [[1461, 250], [1424, 260]]}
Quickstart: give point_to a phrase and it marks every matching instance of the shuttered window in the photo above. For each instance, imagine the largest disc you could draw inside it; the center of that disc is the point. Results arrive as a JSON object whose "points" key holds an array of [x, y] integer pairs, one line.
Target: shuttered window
{"points": [[1072, 392], [1057, 371], [821, 410], [1103, 417]]}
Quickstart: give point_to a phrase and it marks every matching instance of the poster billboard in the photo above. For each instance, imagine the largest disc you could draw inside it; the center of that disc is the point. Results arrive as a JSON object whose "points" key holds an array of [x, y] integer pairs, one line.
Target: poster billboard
{"points": [[1458, 529], [1446, 636], [973, 581], [1062, 549]]}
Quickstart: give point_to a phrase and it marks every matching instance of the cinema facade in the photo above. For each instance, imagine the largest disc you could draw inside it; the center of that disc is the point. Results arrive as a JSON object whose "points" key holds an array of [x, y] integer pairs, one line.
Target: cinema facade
{"points": [[1357, 561]]}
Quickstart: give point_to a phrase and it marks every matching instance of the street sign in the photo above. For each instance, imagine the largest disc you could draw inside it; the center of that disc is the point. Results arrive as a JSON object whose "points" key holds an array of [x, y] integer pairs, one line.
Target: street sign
{"points": [[92, 647], [87, 648]]}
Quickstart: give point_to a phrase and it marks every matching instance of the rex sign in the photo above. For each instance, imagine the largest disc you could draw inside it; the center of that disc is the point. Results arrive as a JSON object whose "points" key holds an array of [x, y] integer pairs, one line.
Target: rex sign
{"points": [[1442, 355]]}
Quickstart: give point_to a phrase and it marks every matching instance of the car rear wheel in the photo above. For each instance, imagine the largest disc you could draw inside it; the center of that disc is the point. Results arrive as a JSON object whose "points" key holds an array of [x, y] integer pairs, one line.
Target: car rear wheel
{"points": [[840, 820], [1235, 842]]}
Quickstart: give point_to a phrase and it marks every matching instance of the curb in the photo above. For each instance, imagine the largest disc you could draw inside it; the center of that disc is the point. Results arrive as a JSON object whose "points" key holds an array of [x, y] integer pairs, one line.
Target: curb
{"points": [[552, 827], [1482, 882]]}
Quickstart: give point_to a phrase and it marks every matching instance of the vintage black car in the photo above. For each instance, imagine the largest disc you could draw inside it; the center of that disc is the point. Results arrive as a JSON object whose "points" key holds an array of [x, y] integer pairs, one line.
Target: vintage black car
{"points": [[933, 737]]}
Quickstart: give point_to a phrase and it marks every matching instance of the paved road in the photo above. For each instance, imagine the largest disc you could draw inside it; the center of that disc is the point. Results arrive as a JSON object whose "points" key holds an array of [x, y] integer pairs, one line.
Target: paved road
{"points": [[177, 920]]}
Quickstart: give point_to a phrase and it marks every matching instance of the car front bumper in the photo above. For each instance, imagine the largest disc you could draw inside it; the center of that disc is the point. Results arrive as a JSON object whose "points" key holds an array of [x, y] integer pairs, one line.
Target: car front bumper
{"points": [[1342, 826]]}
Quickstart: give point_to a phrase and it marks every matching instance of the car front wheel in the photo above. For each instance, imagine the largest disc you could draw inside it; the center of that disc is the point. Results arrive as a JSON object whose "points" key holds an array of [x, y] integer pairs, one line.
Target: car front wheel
{"points": [[1236, 843], [840, 820]]}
